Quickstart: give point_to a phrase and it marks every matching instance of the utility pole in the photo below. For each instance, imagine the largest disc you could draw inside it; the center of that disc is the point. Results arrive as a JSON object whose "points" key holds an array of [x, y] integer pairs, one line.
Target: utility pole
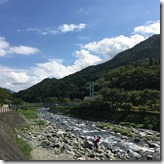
{"points": [[91, 93]]}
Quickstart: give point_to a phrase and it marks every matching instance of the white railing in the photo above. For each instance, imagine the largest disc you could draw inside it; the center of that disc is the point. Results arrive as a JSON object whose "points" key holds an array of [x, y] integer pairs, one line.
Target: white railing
{"points": [[6, 109]]}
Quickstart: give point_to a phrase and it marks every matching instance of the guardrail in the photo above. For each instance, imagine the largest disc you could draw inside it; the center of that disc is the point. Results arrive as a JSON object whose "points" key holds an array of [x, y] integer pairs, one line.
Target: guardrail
{"points": [[7, 109]]}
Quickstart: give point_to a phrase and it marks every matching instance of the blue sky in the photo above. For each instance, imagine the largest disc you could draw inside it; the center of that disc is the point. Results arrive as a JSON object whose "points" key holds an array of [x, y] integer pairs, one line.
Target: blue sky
{"points": [[55, 38]]}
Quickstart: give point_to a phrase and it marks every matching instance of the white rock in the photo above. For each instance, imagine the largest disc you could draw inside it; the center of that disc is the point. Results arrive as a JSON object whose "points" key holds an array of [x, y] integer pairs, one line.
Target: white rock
{"points": [[133, 155], [81, 158]]}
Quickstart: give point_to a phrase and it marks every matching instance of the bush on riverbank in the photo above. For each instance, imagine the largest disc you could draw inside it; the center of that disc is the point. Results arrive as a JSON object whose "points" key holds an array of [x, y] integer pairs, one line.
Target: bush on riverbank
{"points": [[30, 113], [25, 147]]}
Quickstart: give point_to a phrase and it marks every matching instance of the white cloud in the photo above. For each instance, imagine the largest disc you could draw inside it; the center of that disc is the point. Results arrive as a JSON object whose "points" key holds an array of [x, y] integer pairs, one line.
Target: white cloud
{"points": [[3, 46], [71, 27], [53, 31], [109, 47], [19, 79], [45, 31], [84, 59], [23, 50], [150, 27], [56, 68], [15, 79], [6, 49]]}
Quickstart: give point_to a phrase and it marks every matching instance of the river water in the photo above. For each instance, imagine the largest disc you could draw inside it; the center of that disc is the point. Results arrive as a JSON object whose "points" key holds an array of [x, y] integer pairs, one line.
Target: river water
{"points": [[108, 137]]}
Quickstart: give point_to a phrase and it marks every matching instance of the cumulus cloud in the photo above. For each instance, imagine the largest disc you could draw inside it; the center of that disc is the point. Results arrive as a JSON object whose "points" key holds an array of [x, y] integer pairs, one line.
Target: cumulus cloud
{"points": [[71, 27], [109, 47], [19, 79], [84, 59], [6, 49], [150, 27], [3, 47], [15, 79], [56, 68]]}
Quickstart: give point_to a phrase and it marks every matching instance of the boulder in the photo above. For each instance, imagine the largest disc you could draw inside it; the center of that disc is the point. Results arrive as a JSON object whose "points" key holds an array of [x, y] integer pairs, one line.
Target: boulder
{"points": [[137, 140], [124, 137], [133, 155], [142, 134], [153, 145], [81, 158], [45, 143], [91, 155], [88, 144], [149, 157], [60, 133]]}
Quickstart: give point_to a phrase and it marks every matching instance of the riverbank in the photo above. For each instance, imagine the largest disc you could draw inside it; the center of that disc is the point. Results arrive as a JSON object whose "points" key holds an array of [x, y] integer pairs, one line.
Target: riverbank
{"points": [[146, 120], [10, 122], [64, 138]]}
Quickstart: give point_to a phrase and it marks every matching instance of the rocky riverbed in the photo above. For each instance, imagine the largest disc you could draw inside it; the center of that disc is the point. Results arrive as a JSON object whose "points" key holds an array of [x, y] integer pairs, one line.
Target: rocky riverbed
{"points": [[66, 138]]}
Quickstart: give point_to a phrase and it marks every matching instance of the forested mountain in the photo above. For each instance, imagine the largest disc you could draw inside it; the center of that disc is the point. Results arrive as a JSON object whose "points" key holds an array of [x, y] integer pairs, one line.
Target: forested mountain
{"points": [[4, 95], [134, 69]]}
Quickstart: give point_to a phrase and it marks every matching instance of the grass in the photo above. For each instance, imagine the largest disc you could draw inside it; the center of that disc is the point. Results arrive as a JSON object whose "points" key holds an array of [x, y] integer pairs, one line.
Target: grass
{"points": [[29, 114], [103, 125], [123, 131], [25, 147], [135, 125], [151, 138], [40, 122]]}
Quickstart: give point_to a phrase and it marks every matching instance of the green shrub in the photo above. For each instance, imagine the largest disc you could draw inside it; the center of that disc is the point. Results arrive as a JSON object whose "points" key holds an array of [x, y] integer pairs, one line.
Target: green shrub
{"points": [[155, 107], [124, 131], [103, 125], [31, 113], [142, 108], [135, 125], [126, 106], [25, 147], [151, 138], [40, 122]]}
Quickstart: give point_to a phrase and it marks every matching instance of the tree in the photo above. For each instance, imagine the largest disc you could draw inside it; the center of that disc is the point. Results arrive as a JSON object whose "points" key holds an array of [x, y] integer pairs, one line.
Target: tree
{"points": [[17, 101], [151, 61]]}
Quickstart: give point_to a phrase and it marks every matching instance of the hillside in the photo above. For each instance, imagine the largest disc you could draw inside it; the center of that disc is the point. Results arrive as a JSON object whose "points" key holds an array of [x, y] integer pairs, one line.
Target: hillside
{"points": [[4, 95], [77, 84]]}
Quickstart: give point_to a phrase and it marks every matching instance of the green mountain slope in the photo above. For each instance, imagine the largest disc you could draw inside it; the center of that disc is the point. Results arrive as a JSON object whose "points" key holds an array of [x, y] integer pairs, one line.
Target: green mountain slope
{"points": [[4, 95], [144, 55]]}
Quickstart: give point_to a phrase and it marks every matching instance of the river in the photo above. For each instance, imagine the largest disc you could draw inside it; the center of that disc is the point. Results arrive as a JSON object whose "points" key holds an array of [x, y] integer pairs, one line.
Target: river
{"points": [[109, 138]]}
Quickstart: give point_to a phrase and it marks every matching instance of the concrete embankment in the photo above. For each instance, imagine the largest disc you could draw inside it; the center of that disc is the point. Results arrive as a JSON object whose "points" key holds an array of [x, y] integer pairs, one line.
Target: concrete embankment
{"points": [[9, 150]]}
